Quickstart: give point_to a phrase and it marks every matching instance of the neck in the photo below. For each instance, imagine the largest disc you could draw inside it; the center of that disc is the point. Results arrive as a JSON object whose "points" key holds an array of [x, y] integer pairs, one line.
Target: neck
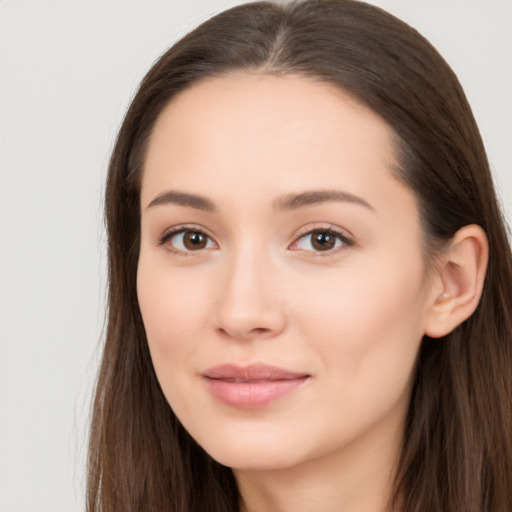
{"points": [[355, 478]]}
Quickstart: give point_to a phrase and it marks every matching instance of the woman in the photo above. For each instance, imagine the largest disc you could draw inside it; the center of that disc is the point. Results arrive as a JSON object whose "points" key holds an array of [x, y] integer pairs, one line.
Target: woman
{"points": [[309, 278]]}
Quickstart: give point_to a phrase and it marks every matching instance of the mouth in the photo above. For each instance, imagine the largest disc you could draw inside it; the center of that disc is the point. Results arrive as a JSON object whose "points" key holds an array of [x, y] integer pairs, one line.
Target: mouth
{"points": [[253, 386]]}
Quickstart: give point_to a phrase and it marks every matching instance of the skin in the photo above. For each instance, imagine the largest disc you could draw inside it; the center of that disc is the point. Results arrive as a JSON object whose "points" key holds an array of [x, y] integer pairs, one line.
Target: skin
{"points": [[351, 317]]}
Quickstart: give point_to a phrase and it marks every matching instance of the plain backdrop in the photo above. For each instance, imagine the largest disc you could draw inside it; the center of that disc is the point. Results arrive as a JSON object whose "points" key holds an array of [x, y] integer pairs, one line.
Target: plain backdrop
{"points": [[68, 69]]}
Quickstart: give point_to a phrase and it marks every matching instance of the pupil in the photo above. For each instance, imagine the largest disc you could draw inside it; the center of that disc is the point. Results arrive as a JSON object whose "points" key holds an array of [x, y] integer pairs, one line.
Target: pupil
{"points": [[194, 240], [323, 241]]}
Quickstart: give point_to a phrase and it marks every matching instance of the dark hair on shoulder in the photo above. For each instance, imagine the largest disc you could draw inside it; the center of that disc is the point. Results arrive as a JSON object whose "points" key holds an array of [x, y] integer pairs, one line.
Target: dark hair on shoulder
{"points": [[457, 447]]}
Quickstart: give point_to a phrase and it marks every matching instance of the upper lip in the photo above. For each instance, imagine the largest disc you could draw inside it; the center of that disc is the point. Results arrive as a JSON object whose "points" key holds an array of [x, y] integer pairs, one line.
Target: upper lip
{"points": [[252, 372]]}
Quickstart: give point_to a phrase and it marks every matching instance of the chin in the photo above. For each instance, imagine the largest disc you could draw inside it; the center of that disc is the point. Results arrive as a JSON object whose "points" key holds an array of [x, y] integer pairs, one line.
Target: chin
{"points": [[245, 454], [257, 461]]}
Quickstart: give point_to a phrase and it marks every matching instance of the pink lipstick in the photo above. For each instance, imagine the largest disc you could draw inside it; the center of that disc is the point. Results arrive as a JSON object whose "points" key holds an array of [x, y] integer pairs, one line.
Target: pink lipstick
{"points": [[253, 386]]}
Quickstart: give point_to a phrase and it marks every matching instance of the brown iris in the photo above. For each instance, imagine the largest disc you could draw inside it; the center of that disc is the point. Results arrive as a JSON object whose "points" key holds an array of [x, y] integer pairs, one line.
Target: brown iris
{"points": [[194, 240], [323, 240]]}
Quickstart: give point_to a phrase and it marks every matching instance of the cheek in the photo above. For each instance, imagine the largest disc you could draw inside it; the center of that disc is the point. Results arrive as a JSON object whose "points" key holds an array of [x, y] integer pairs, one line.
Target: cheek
{"points": [[365, 327], [368, 323], [173, 312]]}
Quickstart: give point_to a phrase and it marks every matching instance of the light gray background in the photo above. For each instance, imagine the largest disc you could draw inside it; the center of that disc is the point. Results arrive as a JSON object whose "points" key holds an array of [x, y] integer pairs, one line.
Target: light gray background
{"points": [[68, 70]]}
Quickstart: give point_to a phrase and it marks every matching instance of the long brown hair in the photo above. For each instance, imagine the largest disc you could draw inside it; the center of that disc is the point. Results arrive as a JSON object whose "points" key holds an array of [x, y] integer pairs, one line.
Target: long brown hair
{"points": [[457, 447]]}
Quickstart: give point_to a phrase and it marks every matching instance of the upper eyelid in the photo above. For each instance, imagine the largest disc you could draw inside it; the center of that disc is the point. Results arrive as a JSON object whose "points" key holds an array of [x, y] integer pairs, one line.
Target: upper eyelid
{"points": [[320, 226], [174, 230], [347, 241]]}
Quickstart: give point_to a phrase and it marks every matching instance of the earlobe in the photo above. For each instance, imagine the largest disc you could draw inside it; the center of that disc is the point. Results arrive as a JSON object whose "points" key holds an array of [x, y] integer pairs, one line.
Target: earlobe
{"points": [[460, 279]]}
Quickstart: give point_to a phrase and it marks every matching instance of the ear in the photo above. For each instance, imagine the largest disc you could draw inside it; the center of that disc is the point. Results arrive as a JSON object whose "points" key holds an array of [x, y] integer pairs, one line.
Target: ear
{"points": [[458, 281]]}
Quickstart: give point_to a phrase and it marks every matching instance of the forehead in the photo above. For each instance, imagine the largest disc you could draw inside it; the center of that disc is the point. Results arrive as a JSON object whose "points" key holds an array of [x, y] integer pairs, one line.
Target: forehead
{"points": [[274, 131], [250, 100]]}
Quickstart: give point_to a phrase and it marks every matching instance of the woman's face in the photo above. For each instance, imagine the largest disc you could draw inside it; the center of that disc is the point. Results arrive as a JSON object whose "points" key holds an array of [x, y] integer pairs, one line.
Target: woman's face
{"points": [[281, 277]]}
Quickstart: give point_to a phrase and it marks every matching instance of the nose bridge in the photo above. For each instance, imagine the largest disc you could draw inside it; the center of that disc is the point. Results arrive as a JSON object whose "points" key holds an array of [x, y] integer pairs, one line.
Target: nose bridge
{"points": [[249, 303]]}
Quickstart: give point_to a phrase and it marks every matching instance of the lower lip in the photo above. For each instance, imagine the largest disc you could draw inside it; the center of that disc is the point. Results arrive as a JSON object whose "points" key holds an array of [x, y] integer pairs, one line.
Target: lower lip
{"points": [[254, 394]]}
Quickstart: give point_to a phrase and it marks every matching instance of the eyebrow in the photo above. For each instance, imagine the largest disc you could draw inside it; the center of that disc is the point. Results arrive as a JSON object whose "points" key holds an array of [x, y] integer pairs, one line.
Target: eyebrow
{"points": [[281, 204], [312, 197], [183, 199]]}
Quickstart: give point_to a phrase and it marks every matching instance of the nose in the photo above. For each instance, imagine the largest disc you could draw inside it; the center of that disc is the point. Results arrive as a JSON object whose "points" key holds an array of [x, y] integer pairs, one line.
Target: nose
{"points": [[249, 304]]}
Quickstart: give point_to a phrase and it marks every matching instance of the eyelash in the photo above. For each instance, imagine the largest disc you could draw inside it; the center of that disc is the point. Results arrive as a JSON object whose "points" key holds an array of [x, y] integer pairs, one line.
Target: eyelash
{"points": [[168, 235], [346, 241], [339, 235]]}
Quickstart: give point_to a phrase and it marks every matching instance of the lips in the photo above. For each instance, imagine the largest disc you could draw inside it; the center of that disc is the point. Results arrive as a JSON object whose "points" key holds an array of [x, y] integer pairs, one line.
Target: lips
{"points": [[253, 386]]}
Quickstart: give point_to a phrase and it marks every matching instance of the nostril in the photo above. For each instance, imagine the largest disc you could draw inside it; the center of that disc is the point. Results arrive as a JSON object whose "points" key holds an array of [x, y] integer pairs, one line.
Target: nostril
{"points": [[241, 333]]}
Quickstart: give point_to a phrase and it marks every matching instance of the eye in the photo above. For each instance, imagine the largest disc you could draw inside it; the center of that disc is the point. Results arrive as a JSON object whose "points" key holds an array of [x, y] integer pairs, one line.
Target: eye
{"points": [[322, 240], [186, 240]]}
